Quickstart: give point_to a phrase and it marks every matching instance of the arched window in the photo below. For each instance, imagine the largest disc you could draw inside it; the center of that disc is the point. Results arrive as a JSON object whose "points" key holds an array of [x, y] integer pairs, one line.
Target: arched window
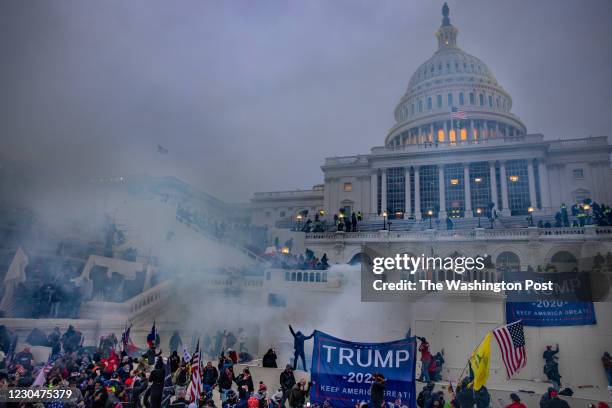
{"points": [[481, 99], [439, 101], [490, 101], [472, 98], [429, 105], [420, 106], [449, 100], [507, 262], [564, 261], [461, 99]]}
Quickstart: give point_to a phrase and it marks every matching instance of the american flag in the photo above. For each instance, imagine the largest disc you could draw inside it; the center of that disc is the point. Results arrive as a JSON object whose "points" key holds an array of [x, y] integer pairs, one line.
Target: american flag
{"points": [[458, 113], [196, 381], [511, 341], [125, 336]]}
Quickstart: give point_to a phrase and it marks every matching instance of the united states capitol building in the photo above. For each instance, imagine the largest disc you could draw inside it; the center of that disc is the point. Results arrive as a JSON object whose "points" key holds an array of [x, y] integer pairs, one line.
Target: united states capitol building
{"points": [[457, 151], [438, 164]]}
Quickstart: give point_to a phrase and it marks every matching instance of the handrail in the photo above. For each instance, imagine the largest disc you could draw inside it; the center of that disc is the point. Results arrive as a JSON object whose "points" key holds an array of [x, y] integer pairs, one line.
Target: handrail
{"points": [[472, 233], [233, 244]]}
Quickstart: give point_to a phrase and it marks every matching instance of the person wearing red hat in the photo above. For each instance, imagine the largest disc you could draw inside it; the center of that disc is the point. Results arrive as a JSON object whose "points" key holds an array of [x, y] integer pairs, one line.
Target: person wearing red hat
{"points": [[556, 402]]}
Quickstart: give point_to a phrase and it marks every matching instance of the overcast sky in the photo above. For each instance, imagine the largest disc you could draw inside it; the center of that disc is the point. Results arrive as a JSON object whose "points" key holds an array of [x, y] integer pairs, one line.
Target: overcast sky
{"points": [[253, 95]]}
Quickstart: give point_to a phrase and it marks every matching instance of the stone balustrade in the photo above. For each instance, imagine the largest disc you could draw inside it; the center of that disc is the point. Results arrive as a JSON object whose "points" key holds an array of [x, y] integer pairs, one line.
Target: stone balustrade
{"points": [[476, 234]]}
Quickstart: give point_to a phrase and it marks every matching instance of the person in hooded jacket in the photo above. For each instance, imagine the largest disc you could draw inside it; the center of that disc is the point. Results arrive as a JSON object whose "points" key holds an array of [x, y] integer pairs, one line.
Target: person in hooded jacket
{"points": [[269, 359], [425, 395], [209, 376], [287, 381], [297, 396], [175, 361], [156, 378], [245, 379], [377, 391], [298, 347]]}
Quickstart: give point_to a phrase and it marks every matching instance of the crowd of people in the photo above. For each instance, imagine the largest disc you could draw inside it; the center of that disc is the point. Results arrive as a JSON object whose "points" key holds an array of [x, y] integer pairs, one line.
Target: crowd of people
{"points": [[587, 212], [305, 261], [103, 377]]}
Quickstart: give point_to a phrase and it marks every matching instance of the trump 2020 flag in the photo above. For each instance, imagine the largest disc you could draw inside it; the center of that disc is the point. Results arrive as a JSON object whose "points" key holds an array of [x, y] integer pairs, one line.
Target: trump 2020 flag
{"points": [[342, 370], [480, 362]]}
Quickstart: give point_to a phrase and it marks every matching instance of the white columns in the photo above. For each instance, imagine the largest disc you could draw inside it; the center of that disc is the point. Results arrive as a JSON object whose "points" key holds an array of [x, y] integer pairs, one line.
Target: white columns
{"points": [[383, 201], [446, 135], [374, 184], [407, 207], [467, 213], [493, 182], [504, 188], [471, 132], [544, 185], [417, 194], [441, 191], [533, 199]]}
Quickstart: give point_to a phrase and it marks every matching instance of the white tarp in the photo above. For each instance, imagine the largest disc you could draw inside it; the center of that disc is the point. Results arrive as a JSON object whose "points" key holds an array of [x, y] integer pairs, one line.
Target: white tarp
{"points": [[14, 276], [127, 269]]}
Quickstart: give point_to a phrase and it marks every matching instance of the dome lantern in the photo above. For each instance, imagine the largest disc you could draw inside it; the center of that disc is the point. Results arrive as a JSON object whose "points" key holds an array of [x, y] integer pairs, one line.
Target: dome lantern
{"points": [[447, 33]]}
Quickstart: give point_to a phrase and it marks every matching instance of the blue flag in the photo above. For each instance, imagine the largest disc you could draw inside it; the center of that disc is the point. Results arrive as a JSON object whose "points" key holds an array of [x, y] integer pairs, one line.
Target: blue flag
{"points": [[151, 336], [342, 370]]}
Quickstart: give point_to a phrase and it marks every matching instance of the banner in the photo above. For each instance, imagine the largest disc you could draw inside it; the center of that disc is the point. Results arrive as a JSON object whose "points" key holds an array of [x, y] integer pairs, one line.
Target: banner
{"points": [[551, 313], [342, 370]]}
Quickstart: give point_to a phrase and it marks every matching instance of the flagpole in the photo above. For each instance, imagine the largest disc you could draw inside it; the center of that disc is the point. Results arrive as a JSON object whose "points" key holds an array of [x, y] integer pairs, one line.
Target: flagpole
{"points": [[468, 361]]}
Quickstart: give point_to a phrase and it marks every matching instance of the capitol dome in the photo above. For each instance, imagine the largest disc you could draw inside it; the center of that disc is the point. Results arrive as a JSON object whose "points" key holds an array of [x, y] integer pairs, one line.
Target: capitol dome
{"points": [[453, 97]]}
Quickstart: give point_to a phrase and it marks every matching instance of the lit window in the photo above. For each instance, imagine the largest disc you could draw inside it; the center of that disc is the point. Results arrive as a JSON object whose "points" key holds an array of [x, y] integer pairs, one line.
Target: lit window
{"points": [[348, 187], [514, 179], [578, 173], [464, 134], [454, 181], [478, 180], [440, 135]]}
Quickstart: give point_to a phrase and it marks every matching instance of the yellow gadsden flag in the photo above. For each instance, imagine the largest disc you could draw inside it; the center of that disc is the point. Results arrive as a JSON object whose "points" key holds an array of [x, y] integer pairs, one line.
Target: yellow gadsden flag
{"points": [[480, 362]]}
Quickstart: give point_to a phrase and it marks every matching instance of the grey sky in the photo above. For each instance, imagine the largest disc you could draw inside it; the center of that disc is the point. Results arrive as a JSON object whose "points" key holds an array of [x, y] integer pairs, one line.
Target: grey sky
{"points": [[253, 95]]}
